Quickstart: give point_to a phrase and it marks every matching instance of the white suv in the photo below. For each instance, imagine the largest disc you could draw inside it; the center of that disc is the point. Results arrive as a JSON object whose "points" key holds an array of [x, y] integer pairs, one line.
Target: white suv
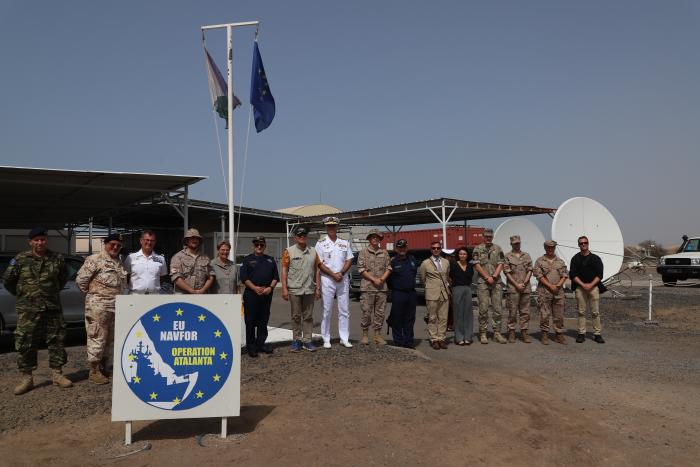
{"points": [[682, 265]]}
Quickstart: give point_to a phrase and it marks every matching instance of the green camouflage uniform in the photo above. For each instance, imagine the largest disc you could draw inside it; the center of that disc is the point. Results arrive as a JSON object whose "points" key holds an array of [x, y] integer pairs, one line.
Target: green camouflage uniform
{"points": [[37, 281], [489, 295]]}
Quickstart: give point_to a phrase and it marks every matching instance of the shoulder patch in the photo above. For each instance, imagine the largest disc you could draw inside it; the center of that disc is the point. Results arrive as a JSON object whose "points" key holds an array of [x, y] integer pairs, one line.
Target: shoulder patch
{"points": [[13, 262]]}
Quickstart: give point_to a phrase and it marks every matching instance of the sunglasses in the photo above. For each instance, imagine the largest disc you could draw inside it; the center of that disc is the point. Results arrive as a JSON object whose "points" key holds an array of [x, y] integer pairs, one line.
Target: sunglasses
{"points": [[114, 245], [582, 243], [258, 244], [435, 248]]}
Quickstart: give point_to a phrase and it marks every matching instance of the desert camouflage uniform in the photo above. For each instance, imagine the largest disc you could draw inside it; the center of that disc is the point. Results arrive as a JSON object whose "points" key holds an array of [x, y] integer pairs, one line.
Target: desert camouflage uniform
{"points": [[37, 281], [373, 299], [550, 305], [194, 269], [102, 278], [518, 265], [489, 295]]}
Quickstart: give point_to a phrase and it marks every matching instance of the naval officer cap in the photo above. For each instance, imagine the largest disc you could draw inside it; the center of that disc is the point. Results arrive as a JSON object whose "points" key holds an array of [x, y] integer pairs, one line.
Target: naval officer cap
{"points": [[115, 237], [331, 220], [35, 232]]}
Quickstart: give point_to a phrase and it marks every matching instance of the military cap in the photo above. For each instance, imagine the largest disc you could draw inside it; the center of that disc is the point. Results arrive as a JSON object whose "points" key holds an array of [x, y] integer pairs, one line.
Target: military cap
{"points": [[192, 233], [301, 231], [550, 243], [514, 239], [115, 237], [331, 220], [376, 233], [401, 243], [487, 233], [35, 232], [259, 239]]}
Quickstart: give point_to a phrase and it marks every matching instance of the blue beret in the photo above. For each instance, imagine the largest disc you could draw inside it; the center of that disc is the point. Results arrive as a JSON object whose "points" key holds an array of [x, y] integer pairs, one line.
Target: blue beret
{"points": [[36, 231]]}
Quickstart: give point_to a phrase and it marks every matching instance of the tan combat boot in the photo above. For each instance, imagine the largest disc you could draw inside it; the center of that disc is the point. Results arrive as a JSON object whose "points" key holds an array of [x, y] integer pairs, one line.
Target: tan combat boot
{"points": [[60, 380], [560, 339], [365, 337], [498, 337], [26, 383], [544, 338], [96, 375], [483, 339], [511, 336], [378, 339], [525, 336]]}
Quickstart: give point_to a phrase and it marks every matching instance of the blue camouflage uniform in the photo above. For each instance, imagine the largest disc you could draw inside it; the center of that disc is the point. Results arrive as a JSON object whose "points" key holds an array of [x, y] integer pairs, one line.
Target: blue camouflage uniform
{"points": [[403, 299], [261, 271]]}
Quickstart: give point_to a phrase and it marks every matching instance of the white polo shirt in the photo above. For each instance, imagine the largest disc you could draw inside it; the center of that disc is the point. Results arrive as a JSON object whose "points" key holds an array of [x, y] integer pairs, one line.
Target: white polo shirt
{"points": [[334, 254], [145, 272]]}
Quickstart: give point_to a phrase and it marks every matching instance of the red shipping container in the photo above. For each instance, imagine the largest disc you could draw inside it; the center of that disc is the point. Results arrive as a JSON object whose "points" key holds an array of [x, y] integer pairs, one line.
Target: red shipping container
{"points": [[420, 239]]}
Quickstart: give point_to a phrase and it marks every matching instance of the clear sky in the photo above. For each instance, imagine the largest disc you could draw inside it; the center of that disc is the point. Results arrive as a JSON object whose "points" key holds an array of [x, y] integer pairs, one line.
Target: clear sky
{"points": [[377, 101]]}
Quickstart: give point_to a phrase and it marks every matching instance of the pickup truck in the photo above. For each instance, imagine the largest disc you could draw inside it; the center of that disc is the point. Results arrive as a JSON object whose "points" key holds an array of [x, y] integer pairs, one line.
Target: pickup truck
{"points": [[684, 264]]}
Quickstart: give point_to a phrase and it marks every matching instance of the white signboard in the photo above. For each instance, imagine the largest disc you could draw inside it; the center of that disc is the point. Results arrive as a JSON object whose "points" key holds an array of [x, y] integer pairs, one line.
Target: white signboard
{"points": [[176, 356]]}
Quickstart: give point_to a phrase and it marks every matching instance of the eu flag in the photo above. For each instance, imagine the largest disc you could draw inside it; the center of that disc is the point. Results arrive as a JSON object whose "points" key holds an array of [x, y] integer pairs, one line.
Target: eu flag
{"points": [[260, 96]]}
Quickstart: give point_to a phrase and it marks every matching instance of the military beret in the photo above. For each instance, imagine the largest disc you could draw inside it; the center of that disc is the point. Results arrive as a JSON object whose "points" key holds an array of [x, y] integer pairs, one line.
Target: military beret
{"points": [[331, 220], [514, 239], [487, 233], [301, 231], [401, 243], [259, 239], [35, 232], [550, 243], [113, 237]]}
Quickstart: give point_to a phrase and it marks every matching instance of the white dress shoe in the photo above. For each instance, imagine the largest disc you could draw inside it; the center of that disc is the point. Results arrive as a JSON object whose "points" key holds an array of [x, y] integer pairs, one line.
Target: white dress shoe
{"points": [[326, 345], [346, 344]]}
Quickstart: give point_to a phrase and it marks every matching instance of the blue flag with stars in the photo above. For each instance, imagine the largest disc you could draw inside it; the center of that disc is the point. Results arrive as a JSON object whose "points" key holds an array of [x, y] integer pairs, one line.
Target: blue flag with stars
{"points": [[260, 96]]}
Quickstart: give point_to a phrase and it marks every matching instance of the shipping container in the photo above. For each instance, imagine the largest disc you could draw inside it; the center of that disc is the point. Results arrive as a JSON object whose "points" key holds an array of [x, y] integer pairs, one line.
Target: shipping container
{"points": [[456, 236]]}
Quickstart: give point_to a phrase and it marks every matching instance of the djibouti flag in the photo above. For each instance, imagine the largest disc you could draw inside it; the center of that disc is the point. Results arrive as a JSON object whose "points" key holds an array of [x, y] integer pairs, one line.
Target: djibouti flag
{"points": [[217, 89]]}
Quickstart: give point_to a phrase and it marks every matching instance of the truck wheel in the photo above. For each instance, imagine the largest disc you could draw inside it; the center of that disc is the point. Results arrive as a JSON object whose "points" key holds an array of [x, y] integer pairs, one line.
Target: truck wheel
{"points": [[669, 281]]}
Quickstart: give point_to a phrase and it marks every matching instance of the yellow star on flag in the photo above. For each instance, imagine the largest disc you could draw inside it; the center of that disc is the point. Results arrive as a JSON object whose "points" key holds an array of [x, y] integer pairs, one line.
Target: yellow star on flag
{"points": [[131, 358], [139, 334], [223, 355], [153, 396], [199, 394], [201, 317], [178, 312], [217, 333], [137, 379], [176, 400], [217, 378], [156, 317]]}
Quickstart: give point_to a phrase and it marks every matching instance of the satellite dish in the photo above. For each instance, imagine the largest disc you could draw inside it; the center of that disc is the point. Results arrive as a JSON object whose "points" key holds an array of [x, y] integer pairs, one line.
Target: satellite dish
{"points": [[531, 239], [584, 216]]}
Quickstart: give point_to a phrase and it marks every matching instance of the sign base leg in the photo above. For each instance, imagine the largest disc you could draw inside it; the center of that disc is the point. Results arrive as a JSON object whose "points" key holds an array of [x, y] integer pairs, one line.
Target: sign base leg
{"points": [[224, 422], [127, 433]]}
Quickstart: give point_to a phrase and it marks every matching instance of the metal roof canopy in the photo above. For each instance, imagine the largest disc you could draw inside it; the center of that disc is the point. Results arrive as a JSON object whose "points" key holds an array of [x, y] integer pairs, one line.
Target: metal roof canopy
{"points": [[58, 198], [432, 211]]}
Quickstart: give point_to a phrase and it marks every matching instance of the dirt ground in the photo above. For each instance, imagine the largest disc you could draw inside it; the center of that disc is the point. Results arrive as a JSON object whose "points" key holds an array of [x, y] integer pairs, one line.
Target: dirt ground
{"points": [[631, 401]]}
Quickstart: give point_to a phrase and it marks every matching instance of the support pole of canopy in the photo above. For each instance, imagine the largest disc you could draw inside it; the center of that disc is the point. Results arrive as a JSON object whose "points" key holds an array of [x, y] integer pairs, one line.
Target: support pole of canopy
{"points": [[90, 237], [186, 211]]}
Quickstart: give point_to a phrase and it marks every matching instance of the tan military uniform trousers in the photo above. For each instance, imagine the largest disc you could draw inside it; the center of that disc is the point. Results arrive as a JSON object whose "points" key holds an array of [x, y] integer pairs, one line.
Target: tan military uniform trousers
{"points": [[551, 306], [373, 305], [490, 296], [99, 326], [518, 304]]}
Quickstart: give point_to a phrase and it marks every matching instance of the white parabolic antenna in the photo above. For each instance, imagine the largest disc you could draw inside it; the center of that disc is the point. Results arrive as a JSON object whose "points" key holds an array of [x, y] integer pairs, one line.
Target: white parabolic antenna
{"points": [[584, 216], [531, 239]]}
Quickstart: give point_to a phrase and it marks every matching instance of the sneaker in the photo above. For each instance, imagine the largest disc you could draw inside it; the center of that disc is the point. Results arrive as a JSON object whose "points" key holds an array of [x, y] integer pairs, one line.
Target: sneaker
{"points": [[326, 345], [580, 338], [346, 344], [310, 347], [296, 346], [599, 339]]}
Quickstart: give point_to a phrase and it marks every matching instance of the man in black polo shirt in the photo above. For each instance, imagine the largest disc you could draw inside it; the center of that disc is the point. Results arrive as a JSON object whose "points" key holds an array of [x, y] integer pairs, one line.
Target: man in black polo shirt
{"points": [[586, 274], [259, 274]]}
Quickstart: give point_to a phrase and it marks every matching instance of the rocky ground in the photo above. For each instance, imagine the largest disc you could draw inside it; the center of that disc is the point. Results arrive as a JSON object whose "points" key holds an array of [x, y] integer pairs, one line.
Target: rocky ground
{"points": [[631, 401]]}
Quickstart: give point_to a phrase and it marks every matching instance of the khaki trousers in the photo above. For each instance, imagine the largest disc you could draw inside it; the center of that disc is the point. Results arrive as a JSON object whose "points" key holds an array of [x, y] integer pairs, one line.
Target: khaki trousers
{"points": [[437, 318], [302, 316], [373, 305], [588, 299], [518, 304], [490, 296]]}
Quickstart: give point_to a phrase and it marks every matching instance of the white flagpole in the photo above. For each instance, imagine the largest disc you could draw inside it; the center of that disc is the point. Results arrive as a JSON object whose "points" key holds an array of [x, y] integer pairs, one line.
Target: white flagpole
{"points": [[229, 92]]}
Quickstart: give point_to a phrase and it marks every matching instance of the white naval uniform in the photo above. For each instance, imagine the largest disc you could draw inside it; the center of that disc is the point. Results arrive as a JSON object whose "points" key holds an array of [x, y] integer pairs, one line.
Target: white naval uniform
{"points": [[145, 272], [334, 255]]}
